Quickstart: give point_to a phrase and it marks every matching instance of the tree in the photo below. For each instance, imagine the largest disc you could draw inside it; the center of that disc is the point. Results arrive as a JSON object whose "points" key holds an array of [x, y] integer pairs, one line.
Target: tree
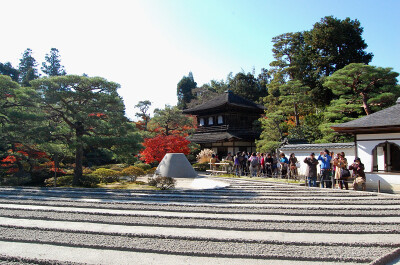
{"points": [[27, 68], [247, 86], [52, 65], [184, 90], [157, 147], [86, 111], [8, 69], [170, 121], [143, 107], [365, 86], [337, 43]]}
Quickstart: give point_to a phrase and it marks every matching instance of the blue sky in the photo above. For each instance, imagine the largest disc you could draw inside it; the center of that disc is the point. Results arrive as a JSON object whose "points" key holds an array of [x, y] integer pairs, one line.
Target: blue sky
{"points": [[148, 46]]}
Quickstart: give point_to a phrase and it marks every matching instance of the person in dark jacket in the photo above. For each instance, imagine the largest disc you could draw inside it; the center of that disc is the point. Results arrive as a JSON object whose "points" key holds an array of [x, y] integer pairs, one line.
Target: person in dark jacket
{"points": [[311, 172], [358, 174]]}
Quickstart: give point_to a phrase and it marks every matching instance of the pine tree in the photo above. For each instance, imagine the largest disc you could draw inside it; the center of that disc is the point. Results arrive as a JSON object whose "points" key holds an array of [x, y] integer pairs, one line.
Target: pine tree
{"points": [[27, 68], [52, 65]]}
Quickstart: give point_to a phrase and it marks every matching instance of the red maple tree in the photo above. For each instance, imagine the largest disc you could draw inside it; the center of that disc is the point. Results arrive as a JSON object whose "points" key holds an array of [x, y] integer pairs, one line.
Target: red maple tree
{"points": [[157, 147]]}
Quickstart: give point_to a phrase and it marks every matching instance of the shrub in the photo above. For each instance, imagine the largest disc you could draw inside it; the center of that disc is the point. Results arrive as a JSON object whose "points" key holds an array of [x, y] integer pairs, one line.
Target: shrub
{"points": [[90, 181], [201, 166], [62, 181], [151, 171], [162, 183], [204, 156], [133, 172], [106, 175], [143, 166]]}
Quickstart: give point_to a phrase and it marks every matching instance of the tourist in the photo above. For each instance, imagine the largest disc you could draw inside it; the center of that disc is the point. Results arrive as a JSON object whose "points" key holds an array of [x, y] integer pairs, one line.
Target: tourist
{"points": [[229, 157], [275, 165], [325, 159], [335, 170], [311, 172], [269, 161], [213, 160], [236, 163], [293, 166], [229, 160], [358, 174], [262, 164], [343, 172], [284, 165], [254, 164]]}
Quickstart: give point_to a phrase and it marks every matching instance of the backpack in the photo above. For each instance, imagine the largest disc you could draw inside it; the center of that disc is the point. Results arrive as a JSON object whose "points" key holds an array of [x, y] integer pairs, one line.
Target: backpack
{"points": [[254, 162]]}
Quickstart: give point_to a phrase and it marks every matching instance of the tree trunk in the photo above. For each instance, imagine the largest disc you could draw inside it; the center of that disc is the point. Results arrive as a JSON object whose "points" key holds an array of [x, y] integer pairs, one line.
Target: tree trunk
{"points": [[296, 115], [365, 104], [79, 130]]}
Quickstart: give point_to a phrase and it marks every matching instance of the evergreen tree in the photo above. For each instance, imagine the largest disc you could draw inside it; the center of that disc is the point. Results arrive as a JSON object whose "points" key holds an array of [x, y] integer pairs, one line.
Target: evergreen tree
{"points": [[143, 107], [184, 90], [52, 65], [86, 111], [8, 69], [27, 68]]}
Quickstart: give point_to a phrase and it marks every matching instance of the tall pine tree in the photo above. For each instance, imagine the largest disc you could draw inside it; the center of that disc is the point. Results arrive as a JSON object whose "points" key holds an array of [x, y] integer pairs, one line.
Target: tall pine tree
{"points": [[52, 65]]}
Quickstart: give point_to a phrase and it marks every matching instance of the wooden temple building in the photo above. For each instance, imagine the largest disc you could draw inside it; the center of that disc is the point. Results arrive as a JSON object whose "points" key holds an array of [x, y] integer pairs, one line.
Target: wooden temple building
{"points": [[225, 124]]}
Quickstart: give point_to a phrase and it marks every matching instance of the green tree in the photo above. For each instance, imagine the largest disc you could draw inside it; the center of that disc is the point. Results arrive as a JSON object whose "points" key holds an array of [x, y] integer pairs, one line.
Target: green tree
{"points": [[336, 43], [143, 107], [364, 86], [27, 68], [8, 69], [86, 111], [184, 90], [247, 86], [52, 65], [170, 120]]}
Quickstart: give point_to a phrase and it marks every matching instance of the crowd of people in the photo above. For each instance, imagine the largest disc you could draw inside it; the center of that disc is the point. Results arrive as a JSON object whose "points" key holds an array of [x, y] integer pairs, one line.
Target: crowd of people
{"points": [[334, 168]]}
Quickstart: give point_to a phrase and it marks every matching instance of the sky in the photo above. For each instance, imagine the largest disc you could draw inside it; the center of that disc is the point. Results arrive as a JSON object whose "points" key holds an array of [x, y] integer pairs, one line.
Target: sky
{"points": [[147, 46]]}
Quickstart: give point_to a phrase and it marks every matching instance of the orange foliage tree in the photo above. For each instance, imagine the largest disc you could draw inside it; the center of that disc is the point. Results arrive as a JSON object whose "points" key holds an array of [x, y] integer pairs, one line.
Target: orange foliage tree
{"points": [[157, 147]]}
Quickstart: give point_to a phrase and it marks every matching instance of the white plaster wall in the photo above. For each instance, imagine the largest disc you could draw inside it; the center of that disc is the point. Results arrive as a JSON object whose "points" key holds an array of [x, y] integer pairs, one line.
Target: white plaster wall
{"points": [[383, 136], [364, 149], [302, 154], [388, 182]]}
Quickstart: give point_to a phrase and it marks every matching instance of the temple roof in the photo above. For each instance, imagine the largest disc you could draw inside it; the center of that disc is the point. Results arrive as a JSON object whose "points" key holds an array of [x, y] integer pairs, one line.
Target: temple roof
{"points": [[321, 146], [386, 120], [212, 137], [226, 99]]}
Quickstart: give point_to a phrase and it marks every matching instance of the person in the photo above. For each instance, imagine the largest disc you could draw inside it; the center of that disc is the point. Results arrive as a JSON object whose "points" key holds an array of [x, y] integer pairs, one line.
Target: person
{"points": [[325, 159], [213, 160], [275, 166], [335, 170], [311, 171], [269, 161], [236, 163], [358, 174], [262, 163], [293, 166], [284, 163], [341, 167], [229, 157], [254, 163]]}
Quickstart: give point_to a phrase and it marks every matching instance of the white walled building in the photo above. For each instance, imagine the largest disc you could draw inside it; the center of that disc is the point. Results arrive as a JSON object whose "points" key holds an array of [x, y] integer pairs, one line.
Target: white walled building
{"points": [[377, 141]]}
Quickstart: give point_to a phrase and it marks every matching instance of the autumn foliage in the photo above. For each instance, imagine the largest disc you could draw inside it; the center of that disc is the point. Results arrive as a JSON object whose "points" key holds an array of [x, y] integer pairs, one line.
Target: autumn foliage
{"points": [[157, 147]]}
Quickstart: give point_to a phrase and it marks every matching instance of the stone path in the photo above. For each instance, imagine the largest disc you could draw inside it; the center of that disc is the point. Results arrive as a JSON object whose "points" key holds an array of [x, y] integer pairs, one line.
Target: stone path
{"points": [[248, 222]]}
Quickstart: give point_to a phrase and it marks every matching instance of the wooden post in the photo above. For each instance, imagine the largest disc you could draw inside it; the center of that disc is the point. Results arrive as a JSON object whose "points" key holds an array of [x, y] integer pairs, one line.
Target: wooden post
{"points": [[379, 186]]}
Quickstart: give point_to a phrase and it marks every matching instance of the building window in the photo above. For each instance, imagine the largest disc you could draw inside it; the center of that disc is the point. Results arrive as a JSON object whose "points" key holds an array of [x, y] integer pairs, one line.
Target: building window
{"points": [[210, 121], [386, 157], [201, 122], [220, 120]]}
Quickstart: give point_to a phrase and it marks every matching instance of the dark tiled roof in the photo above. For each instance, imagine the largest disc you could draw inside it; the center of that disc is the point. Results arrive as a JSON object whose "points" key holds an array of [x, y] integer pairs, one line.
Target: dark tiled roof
{"points": [[386, 118], [228, 98], [225, 136], [317, 146]]}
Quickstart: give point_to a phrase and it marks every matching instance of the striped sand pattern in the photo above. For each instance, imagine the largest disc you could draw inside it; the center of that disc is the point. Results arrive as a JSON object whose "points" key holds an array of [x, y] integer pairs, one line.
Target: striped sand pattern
{"points": [[247, 222]]}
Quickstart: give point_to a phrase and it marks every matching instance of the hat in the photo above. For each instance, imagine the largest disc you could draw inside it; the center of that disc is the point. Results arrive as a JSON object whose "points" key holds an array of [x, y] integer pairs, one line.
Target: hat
{"points": [[312, 154], [357, 159]]}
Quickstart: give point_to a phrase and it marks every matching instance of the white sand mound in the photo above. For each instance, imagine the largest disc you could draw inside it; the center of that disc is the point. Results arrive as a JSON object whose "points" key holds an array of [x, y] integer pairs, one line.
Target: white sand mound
{"points": [[175, 165]]}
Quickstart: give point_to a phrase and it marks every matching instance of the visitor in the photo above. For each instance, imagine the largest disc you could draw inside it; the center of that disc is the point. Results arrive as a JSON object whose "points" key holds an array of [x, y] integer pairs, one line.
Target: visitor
{"points": [[269, 161], [275, 165], [236, 163], [243, 162], [229, 160], [325, 159], [358, 174], [254, 164], [311, 172], [262, 164], [342, 171], [335, 170], [293, 166], [213, 160], [284, 165]]}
